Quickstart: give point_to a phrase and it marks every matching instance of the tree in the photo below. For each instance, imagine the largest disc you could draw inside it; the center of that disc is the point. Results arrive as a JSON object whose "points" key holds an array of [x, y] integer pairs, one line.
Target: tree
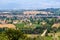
{"points": [[54, 29], [13, 34]]}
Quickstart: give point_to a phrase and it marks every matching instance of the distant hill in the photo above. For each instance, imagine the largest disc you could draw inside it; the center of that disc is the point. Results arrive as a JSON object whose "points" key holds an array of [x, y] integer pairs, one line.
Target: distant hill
{"points": [[53, 10]]}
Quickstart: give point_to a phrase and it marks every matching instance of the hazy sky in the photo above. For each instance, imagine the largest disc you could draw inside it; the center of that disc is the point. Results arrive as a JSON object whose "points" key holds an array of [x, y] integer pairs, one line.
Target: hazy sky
{"points": [[29, 4]]}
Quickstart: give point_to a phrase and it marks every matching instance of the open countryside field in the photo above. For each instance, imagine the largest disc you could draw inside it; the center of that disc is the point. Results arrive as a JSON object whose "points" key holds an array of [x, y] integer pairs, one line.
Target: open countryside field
{"points": [[7, 26]]}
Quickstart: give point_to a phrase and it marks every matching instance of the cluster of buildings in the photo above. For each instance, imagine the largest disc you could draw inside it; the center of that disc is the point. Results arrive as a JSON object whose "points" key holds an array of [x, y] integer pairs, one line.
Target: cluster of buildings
{"points": [[40, 14], [28, 14], [25, 15]]}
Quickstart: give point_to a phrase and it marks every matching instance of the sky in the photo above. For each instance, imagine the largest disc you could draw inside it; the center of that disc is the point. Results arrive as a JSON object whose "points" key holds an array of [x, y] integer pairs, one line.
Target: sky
{"points": [[29, 4]]}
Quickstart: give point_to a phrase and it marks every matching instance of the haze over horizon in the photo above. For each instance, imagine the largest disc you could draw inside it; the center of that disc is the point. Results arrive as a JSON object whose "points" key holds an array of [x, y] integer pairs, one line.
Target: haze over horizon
{"points": [[29, 4]]}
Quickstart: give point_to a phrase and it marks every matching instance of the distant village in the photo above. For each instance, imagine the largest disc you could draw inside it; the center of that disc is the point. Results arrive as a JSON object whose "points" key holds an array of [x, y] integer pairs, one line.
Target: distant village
{"points": [[6, 17]]}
